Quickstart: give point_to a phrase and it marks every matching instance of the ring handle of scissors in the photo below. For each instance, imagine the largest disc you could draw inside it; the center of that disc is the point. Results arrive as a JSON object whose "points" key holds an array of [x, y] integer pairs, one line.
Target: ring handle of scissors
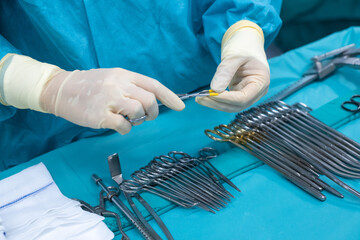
{"points": [[355, 98], [214, 135], [351, 106], [221, 134]]}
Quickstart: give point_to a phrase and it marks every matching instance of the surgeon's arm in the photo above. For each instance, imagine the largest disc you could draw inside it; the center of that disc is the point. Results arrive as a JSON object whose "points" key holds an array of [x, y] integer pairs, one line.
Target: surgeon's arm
{"points": [[97, 98], [6, 47], [236, 33]]}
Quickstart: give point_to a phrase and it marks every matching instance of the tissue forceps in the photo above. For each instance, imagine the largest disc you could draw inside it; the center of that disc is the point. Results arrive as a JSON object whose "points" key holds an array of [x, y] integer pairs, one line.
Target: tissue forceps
{"points": [[353, 105], [184, 96]]}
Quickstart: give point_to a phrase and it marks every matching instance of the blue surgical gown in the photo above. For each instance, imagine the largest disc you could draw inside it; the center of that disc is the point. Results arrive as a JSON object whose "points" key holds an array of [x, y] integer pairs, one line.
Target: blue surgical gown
{"points": [[177, 42]]}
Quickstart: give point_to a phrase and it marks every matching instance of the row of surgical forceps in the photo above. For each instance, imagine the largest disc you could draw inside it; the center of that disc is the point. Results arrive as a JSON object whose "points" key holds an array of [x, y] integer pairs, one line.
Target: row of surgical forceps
{"points": [[296, 144], [177, 177], [184, 180]]}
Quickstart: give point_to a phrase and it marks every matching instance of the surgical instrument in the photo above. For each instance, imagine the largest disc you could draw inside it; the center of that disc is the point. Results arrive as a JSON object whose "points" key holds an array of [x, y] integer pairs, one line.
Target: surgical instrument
{"points": [[178, 177], [323, 66], [182, 179], [112, 196], [353, 105], [116, 175], [100, 210], [296, 144], [204, 93]]}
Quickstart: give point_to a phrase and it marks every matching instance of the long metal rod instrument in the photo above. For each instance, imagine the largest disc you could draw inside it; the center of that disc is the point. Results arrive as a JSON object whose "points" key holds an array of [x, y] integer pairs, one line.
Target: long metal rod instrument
{"points": [[327, 156], [327, 152], [294, 143], [272, 158], [293, 119], [147, 206], [283, 156], [323, 66], [316, 159]]}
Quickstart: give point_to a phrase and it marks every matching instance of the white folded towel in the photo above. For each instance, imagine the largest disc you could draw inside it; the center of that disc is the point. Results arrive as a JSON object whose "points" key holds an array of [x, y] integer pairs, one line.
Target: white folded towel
{"points": [[32, 207]]}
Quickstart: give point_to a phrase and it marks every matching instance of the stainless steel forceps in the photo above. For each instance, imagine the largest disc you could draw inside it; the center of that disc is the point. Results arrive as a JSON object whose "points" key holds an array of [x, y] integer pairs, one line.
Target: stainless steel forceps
{"points": [[204, 93], [296, 144]]}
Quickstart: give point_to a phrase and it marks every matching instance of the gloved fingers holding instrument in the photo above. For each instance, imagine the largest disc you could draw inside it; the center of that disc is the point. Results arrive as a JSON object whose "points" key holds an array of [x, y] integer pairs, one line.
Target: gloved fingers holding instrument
{"points": [[96, 98], [244, 69]]}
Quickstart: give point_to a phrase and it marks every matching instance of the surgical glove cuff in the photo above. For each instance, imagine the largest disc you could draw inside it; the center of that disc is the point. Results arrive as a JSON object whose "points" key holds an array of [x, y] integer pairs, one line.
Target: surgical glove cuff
{"points": [[244, 39], [22, 80], [238, 26]]}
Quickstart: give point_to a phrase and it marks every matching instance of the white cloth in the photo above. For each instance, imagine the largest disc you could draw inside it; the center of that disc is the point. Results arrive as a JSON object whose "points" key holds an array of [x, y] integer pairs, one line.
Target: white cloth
{"points": [[32, 207], [2, 231]]}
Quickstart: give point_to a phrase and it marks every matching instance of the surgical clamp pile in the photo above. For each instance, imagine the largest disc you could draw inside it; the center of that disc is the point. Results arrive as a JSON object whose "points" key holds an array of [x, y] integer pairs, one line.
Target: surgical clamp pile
{"points": [[296, 144], [184, 180], [323, 66], [177, 177]]}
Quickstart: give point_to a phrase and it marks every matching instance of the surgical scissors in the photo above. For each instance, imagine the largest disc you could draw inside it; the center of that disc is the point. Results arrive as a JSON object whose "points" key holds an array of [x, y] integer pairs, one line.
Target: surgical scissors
{"points": [[353, 105], [184, 96]]}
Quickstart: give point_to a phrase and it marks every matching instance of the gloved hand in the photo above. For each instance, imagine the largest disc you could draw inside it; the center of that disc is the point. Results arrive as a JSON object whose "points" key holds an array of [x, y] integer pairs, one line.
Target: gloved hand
{"points": [[97, 98], [243, 69]]}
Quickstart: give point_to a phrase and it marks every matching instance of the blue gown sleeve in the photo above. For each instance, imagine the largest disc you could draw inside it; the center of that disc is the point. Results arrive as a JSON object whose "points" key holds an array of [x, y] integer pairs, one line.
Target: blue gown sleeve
{"points": [[6, 47], [221, 14]]}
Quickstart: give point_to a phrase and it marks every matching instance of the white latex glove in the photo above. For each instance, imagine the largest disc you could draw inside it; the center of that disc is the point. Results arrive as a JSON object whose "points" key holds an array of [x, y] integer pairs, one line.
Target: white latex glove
{"points": [[243, 69], [97, 98]]}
